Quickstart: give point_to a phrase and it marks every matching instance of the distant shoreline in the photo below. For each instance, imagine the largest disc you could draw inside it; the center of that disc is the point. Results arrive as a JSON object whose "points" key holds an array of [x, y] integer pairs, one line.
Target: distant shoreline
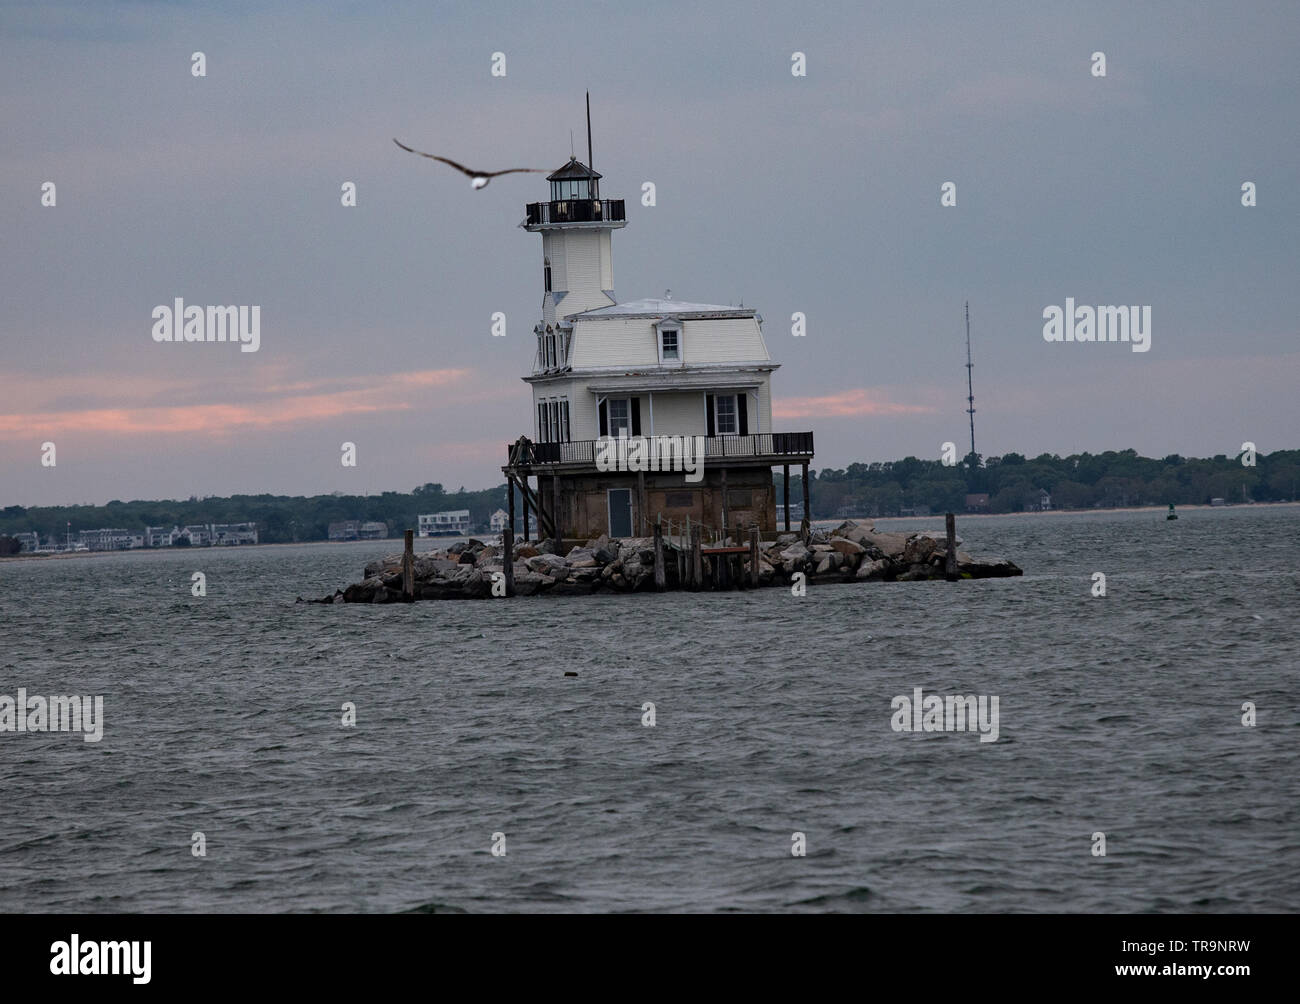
{"points": [[1085, 512], [817, 522]]}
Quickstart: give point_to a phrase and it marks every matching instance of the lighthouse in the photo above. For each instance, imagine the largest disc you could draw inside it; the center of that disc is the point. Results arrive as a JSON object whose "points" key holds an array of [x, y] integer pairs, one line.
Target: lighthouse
{"points": [[653, 368]]}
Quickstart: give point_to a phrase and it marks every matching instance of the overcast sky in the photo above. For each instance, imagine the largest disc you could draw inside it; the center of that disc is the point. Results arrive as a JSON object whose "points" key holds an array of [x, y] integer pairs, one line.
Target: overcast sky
{"points": [[818, 194]]}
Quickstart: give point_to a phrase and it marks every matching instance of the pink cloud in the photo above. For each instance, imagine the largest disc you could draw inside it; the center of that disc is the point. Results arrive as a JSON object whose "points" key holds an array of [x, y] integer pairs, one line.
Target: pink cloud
{"points": [[135, 405], [858, 401]]}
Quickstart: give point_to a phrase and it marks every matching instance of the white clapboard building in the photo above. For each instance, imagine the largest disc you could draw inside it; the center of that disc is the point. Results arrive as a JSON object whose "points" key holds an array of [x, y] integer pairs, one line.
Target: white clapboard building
{"points": [[640, 368]]}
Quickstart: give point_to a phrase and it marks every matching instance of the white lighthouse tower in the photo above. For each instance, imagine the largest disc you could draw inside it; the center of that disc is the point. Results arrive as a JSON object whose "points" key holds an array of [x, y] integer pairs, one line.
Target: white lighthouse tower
{"points": [[576, 224]]}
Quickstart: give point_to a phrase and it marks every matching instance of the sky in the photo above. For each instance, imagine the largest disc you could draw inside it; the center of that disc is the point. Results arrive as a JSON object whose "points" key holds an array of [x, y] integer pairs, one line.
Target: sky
{"points": [[817, 194]]}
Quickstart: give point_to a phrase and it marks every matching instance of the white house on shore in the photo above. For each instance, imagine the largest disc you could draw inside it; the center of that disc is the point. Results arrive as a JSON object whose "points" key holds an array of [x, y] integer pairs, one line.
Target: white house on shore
{"points": [[642, 368], [453, 523]]}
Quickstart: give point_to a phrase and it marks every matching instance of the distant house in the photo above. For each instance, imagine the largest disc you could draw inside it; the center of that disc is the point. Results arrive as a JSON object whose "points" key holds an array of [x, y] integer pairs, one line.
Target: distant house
{"points": [[345, 529], [977, 502], [1039, 501], [28, 541], [373, 530], [454, 523], [106, 539], [160, 536], [199, 535], [230, 534], [499, 521]]}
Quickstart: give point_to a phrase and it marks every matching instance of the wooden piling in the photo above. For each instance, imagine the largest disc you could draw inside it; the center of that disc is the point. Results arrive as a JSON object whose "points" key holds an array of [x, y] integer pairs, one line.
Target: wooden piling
{"points": [[659, 557], [697, 559], [510, 497], [753, 556], [555, 513], [950, 562], [524, 496], [786, 497], [508, 565], [723, 522], [807, 503], [408, 566], [641, 503]]}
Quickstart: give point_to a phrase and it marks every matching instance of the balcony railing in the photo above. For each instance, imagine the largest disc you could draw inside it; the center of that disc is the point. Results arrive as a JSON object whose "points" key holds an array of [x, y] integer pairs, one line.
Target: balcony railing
{"points": [[576, 211], [525, 453]]}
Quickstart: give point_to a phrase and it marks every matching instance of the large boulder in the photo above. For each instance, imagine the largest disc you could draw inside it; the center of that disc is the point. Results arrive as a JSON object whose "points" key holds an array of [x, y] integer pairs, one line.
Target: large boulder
{"points": [[853, 530], [548, 564], [890, 545], [873, 570], [363, 591], [527, 583], [917, 550], [582, 557], [847, 547]]}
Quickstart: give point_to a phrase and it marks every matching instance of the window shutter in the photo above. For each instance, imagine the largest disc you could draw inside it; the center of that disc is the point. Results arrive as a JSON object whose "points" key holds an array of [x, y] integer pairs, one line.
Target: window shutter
{"points": [[742, 412], [708, 414], [636, 416], [604, 418]]}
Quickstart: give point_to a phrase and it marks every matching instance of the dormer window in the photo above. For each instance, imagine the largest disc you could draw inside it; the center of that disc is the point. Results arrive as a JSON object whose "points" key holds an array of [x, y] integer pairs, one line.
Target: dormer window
{"points": [[669, 334], [669, 341]]}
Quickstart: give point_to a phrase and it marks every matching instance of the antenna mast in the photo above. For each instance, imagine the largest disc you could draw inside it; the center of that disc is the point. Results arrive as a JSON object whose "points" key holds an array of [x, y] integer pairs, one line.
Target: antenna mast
{"points": [[970, 387], [589, 130]]}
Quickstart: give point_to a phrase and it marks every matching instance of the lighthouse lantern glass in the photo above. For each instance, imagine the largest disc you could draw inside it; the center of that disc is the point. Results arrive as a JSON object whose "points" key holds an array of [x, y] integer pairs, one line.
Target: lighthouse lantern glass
{"points": [[574, 188]]}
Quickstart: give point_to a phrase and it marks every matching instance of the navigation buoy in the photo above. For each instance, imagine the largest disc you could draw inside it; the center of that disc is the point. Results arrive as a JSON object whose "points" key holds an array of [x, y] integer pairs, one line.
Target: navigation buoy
{"points": [[1171, 514]]}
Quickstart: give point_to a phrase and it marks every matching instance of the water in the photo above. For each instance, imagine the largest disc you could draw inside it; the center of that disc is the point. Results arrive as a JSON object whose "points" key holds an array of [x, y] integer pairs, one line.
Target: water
{"points": [[222, 715]]}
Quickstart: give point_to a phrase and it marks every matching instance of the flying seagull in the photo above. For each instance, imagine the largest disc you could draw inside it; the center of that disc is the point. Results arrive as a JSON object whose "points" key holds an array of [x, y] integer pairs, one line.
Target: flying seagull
{"points": [[478, 179]]}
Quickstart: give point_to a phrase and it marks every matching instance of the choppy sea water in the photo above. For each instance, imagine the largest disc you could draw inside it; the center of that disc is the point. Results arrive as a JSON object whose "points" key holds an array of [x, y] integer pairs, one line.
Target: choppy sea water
{"points": [[1120, 715]]}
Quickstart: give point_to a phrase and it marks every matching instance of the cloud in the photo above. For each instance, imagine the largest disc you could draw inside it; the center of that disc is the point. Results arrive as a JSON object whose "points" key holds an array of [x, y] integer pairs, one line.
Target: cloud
{"points": [[143, 406], [847, 403]]}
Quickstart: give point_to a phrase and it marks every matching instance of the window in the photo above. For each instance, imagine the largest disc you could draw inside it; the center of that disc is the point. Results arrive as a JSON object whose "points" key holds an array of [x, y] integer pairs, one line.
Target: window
{"points": [[726, 415], [668, 339], [546, 275], [573, 188], [620, 416], [553, 420]]}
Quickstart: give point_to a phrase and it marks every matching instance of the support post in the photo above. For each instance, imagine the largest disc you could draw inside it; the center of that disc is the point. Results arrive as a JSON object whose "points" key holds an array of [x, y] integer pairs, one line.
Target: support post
{"points": [[659, 557], [640, 503], [408, 566], [697, 559], [724, 503], [524, 495], [555, 513], [753, 556], [950, 563], [806, 525], [786, 498], [510, 499], [508, 566]]}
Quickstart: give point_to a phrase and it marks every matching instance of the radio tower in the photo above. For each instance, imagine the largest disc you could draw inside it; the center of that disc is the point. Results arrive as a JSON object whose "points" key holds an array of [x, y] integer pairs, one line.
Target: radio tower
{"points": [[970, 391]]}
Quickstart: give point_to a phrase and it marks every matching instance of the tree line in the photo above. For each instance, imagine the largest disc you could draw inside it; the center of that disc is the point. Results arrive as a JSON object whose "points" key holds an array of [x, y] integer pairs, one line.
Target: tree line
{"points": [[1012, 482]]}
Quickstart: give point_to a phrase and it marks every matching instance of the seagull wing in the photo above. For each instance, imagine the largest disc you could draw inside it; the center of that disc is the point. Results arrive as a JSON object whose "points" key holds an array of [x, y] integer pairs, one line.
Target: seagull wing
{"points": [[450, 163], [516, 170]]}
